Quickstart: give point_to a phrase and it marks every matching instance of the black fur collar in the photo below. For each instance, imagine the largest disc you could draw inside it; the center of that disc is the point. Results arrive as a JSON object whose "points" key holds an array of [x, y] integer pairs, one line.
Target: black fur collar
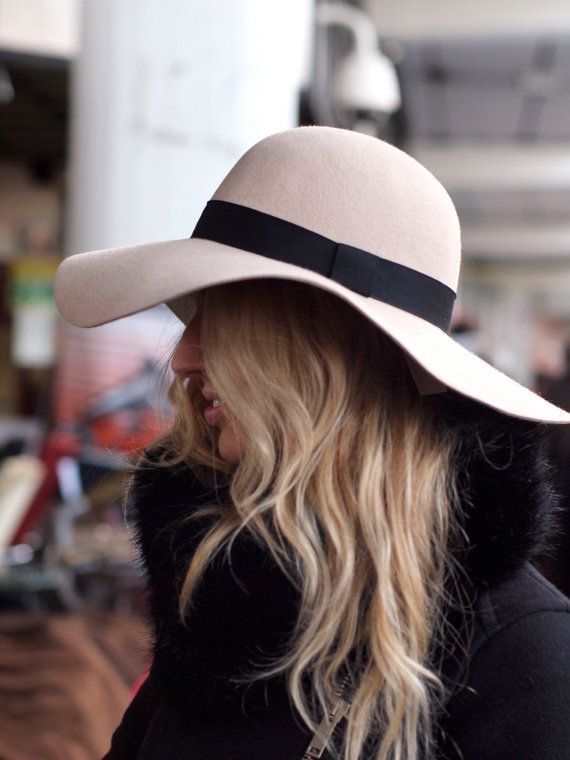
{"points": [[507, 495]]}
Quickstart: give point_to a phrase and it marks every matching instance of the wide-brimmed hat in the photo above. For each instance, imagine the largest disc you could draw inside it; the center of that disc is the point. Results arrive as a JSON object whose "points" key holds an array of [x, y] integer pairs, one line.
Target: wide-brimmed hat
{"points": [[339, 210]]}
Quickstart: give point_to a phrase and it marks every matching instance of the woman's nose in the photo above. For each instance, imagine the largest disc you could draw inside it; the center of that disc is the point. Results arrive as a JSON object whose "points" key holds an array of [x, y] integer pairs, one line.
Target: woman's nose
{"points": [[187, 357]]}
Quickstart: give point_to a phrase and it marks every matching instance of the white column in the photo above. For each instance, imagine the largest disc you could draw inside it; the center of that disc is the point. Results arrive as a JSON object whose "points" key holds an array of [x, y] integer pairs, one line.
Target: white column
{"points": [[166, 97]]}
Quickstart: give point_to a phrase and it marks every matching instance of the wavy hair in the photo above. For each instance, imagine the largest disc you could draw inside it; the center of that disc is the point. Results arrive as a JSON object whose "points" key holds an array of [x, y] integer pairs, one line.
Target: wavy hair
{"points": [[347, 478]]}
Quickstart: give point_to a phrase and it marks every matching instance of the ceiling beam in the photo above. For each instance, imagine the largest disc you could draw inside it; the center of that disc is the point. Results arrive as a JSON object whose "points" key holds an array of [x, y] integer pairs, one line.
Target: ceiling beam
{"points": [[522, 242], [434, 19], [42, 27], [483, 167]]}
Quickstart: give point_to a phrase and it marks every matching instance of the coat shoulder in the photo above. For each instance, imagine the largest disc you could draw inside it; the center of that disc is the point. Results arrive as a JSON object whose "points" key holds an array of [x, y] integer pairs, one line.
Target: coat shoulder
{"points": [[515, 698], [522, 593]]}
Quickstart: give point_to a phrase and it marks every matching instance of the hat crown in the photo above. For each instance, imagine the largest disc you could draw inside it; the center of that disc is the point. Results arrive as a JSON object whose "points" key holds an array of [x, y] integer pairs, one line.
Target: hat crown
{"points": [[354, 189]]}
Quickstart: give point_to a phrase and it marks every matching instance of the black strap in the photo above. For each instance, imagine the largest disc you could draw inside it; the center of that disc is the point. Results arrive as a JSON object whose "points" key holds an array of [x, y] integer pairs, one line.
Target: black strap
{"points": [[360, 271]]}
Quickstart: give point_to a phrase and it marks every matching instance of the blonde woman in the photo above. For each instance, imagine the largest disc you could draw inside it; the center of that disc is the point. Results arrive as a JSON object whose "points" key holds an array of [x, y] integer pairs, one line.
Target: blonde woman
{"points": [[337, 529]]}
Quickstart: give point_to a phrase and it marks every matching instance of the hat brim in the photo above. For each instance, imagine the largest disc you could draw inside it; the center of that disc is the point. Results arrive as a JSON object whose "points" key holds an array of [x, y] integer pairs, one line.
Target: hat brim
{"points": [[97, 287]]}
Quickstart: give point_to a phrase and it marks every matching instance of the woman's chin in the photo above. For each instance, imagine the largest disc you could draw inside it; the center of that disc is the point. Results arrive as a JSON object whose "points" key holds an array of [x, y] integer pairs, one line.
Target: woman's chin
{"points": [[229, 446]]}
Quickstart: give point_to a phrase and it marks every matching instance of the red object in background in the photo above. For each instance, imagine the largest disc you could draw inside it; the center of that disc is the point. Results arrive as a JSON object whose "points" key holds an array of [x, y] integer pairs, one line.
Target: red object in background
{"points": [[57, 444], [93, 362], [125, 430]]}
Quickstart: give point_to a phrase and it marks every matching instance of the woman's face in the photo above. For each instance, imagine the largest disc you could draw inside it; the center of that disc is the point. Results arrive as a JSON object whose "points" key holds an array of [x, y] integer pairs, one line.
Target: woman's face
{"points": [[187, 362]]}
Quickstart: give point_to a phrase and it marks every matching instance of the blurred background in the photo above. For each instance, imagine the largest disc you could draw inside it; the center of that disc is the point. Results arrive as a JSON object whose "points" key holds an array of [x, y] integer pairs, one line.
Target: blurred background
{"points": [[118, 120]]}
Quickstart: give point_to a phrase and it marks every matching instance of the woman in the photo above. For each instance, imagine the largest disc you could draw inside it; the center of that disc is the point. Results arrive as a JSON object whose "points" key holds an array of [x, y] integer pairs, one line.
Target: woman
{"points": [[337, 528]]}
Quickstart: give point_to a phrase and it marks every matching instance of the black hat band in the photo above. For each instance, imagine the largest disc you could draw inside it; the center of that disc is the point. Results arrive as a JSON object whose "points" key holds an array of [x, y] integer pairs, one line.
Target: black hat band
{"points": [[360, 271]]}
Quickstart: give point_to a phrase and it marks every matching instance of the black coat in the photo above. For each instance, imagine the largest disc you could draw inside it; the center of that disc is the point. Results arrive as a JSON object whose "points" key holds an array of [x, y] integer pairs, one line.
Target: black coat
{"points": [[511, 695]]}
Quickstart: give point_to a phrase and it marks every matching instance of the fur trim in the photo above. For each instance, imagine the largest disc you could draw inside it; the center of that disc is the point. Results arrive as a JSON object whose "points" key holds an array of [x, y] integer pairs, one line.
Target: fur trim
{"points": [[506, 490], [200, 665]]}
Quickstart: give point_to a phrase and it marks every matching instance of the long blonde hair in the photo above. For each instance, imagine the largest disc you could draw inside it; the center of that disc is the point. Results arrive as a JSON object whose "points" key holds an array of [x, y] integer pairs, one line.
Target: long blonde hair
{"points": [[347, 479]]}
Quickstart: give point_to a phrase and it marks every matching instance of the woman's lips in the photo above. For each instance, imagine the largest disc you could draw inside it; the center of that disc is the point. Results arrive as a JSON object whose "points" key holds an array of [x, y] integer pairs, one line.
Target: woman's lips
{"points": [[213, 413]]}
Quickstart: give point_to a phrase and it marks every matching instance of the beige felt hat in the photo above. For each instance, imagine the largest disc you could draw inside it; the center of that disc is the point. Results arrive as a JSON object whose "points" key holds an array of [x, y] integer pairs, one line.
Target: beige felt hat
{"points": [[337, 209]]}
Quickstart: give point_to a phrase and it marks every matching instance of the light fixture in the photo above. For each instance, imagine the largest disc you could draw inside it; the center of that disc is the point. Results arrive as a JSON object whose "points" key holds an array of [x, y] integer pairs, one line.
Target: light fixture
{"points": [[366, 78]]}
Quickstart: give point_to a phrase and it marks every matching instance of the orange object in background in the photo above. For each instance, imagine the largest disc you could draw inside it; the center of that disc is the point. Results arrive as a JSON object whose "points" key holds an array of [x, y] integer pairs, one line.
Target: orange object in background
{"points": [[125, 430]]}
